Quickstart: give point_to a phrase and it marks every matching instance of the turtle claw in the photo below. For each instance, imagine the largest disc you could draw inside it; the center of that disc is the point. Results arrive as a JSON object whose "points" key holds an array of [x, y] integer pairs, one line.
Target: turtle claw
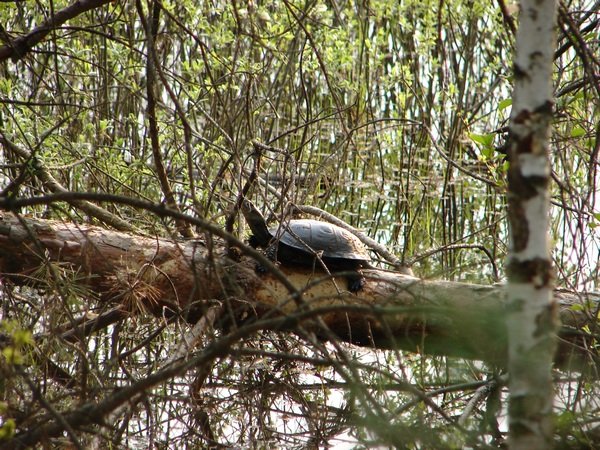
{"points": [[262, 269], [355, 284]]}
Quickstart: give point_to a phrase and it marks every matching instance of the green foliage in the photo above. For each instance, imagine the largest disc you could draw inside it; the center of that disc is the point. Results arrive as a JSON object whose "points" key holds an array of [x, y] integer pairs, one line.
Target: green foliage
{"points": [[20, 340], [7, 430], [486, 141], [505, 103]]}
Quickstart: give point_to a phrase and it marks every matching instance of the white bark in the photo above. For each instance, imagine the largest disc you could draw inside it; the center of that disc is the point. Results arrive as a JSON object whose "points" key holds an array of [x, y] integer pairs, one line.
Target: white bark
{"points": [[531, 315]]}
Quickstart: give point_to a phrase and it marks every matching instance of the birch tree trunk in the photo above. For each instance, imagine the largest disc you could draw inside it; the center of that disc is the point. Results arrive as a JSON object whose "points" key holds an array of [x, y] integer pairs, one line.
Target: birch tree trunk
{"points": [[531, 319]]}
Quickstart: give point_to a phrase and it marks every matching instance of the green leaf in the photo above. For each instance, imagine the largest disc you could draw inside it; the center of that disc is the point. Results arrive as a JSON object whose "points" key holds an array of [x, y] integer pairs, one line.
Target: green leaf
{"points": [[505, 103], [483, 139], [7, 430], [22, 337], [577, 132], [565, 420], [12, 355]]}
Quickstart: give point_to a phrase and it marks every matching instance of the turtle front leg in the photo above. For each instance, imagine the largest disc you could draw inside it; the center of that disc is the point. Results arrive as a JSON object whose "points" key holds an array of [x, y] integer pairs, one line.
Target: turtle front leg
{"points": [[271, 253], [356, 282]]}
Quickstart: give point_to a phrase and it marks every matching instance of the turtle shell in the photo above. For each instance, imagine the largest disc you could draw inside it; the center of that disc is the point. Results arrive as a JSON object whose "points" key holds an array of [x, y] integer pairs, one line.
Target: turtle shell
{"points": [[333, 241]]}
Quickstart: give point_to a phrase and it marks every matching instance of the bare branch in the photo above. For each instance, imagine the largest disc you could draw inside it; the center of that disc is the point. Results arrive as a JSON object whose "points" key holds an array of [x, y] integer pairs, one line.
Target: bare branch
{"points": [[20, 46]]}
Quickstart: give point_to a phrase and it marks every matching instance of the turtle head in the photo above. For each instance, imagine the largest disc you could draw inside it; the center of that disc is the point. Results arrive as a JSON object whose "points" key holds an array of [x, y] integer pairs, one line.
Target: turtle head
{"points": [[248, 208], [257, 224]]}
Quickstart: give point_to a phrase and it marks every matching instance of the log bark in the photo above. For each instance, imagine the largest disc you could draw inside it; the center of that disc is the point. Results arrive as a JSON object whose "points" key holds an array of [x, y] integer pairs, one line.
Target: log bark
{"points": [[144, 274]]}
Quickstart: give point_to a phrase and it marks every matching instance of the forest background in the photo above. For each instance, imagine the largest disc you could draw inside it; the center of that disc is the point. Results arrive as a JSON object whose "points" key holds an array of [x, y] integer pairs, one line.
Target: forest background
{"points": [[392, 116]]}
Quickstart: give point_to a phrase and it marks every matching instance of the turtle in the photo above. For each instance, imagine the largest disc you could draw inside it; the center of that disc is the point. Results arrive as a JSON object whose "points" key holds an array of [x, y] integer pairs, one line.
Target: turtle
{"points": [[299, 241]]}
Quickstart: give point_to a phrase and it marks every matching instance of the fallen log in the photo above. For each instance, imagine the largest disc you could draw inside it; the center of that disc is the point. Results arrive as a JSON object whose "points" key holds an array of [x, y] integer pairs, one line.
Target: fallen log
{"points": [[154, 275]]}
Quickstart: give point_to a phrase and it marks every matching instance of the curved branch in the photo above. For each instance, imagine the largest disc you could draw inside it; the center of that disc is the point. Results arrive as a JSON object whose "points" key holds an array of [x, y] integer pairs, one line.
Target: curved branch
{"points": [[20, 46]]}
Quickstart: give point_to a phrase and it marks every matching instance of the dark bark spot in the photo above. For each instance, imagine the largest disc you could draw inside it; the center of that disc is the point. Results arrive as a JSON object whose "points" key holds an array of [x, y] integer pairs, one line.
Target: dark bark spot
{"points": [[547, 321], [545, 108], [519, 186], [524, 145], [522, 117], [537, 271], [518, 222], [536, 54], [520, 72], [538, 181]]}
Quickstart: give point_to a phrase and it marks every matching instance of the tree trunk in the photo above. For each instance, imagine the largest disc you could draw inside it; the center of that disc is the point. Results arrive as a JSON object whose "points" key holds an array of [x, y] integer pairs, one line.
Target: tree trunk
{"points": [[531, 318]]}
